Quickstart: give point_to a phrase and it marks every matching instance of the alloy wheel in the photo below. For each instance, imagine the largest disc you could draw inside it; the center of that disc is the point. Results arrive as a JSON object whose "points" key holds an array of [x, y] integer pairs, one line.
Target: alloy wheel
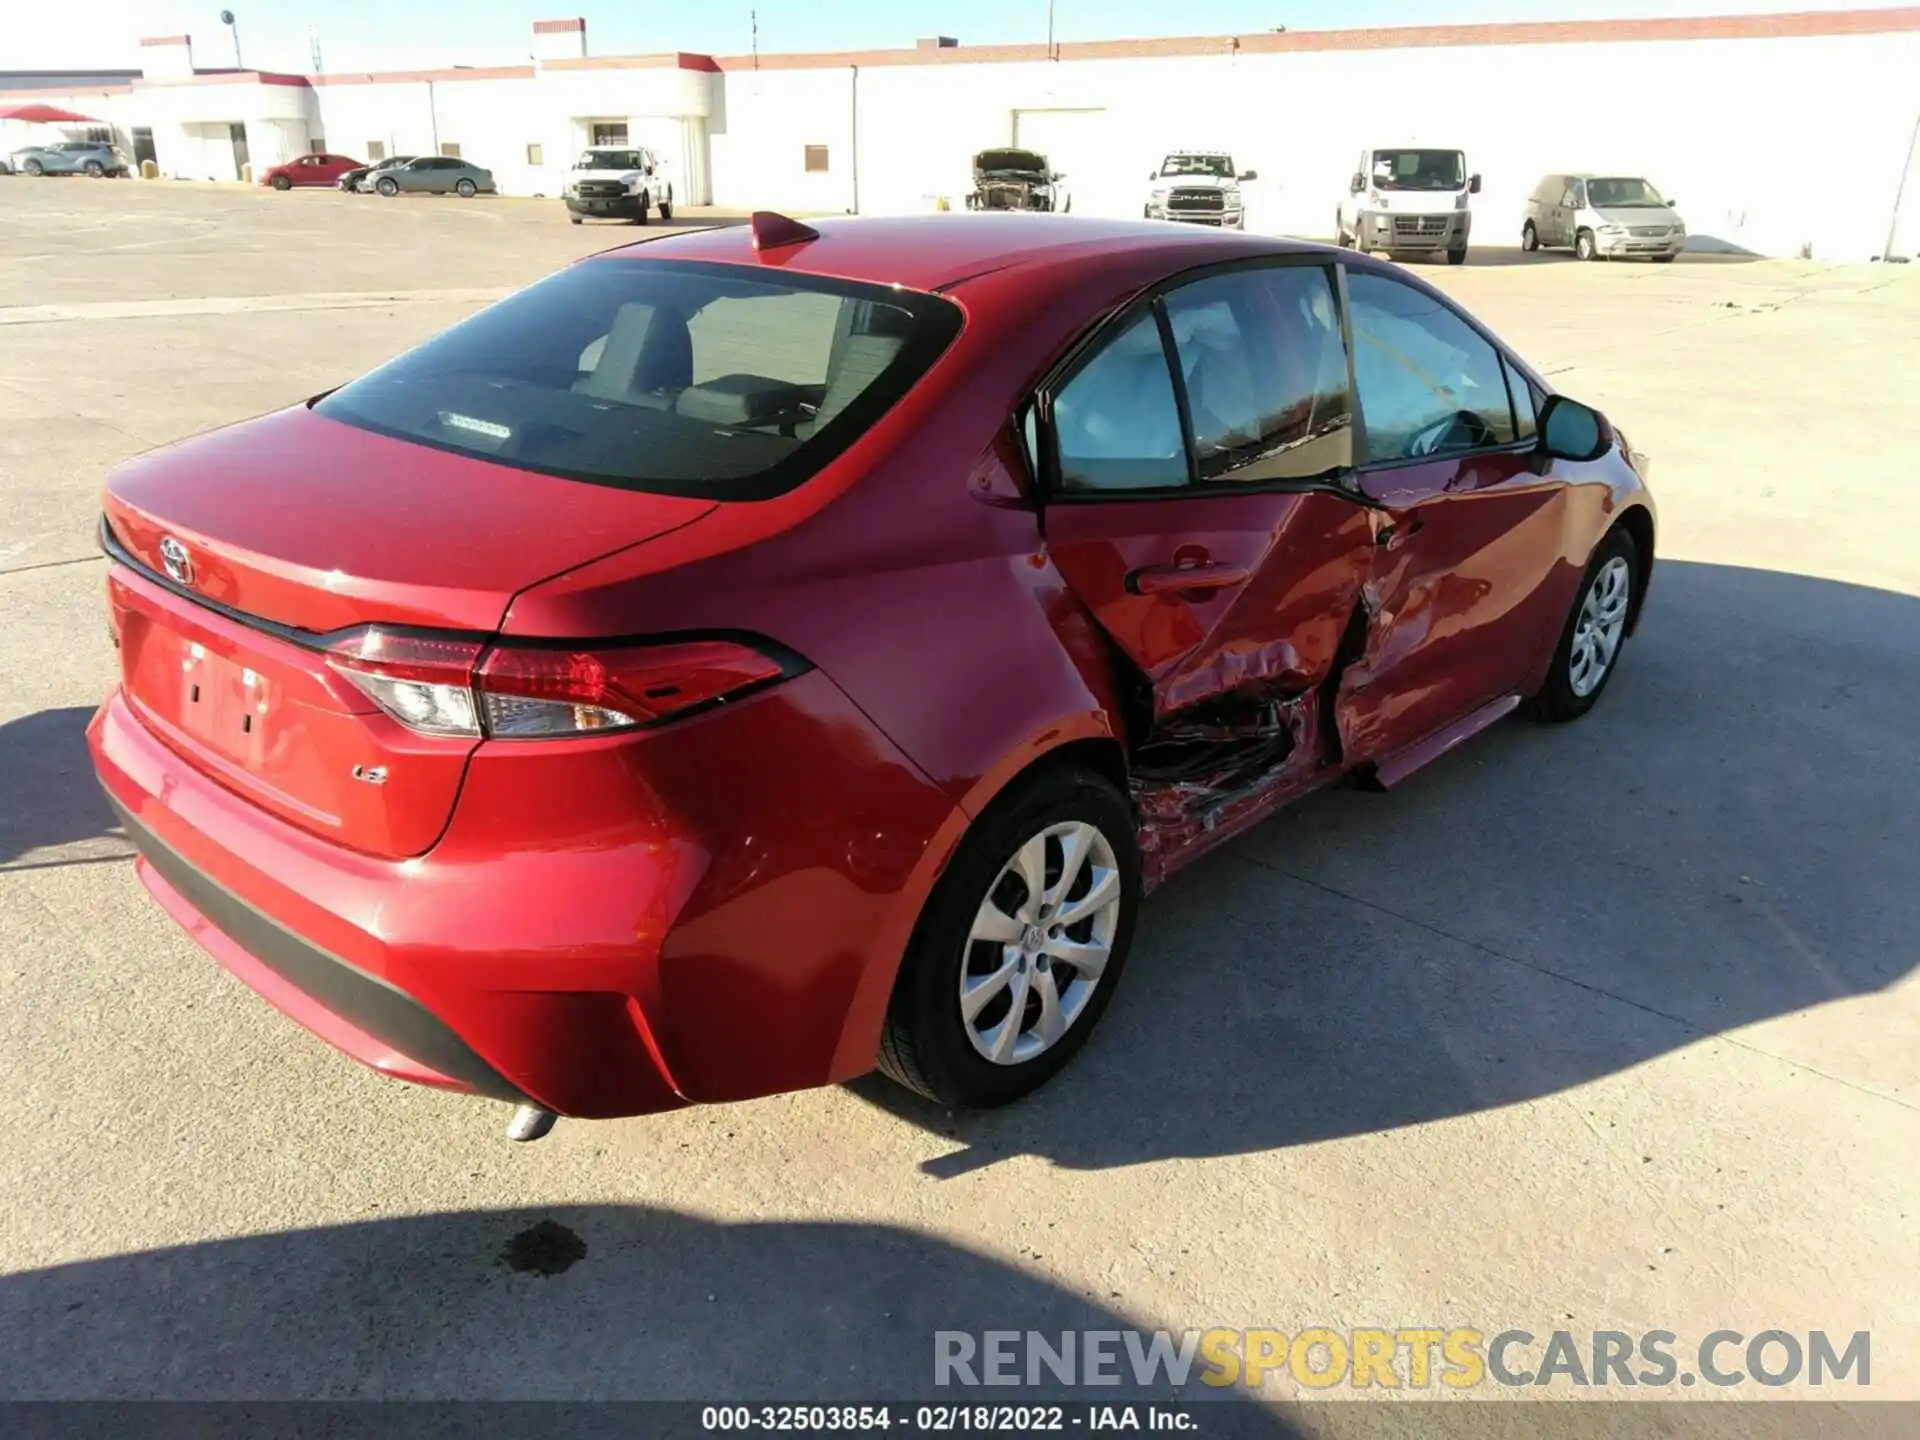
{"points": [[1603, 619], [1040, 942]]}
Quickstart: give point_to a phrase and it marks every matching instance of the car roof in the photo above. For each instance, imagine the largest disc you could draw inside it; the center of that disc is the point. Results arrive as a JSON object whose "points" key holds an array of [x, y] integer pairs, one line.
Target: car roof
{"points": [[932, 252]]}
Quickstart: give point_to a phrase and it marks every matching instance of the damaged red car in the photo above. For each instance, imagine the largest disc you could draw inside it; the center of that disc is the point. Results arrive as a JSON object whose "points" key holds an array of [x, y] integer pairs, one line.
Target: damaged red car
{"points": [[748, 658]]}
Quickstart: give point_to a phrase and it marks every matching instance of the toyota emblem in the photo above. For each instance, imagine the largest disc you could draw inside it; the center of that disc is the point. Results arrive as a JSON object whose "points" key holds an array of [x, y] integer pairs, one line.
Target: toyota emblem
{"points": [[179, 563]]}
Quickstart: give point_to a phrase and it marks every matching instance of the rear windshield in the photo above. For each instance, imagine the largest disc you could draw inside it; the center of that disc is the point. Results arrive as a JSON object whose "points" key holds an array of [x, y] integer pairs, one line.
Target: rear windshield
{"points": [[703, 380]]}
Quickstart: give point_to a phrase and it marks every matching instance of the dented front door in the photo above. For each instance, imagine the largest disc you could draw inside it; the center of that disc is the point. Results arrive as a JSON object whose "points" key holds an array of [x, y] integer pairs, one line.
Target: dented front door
{"points": [[1467, 527]]}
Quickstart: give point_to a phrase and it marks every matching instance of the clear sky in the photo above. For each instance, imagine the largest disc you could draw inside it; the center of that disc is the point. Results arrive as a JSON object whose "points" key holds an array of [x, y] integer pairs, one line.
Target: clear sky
{"points": [[384, 34]]}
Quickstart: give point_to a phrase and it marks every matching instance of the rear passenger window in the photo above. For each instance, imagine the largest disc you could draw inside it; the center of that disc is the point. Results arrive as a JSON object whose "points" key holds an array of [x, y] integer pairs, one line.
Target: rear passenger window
{"points": [[1116, 423], [1429, 383], [1266, 374]]}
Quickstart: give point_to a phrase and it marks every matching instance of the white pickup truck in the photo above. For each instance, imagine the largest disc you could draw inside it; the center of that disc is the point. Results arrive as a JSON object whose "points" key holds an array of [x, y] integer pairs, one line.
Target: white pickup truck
{"points": [[623, 182], [1408, 198], [1198, 187]]}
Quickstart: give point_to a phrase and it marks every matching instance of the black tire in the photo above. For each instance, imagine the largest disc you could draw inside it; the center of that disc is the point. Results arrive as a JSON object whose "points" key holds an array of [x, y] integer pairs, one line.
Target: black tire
{"points": [[1558, 699], [925, 1045], [1665, 259], [1457, 257], [387, 186], [95, 170], [34, 167], [666, 208], [640, 218], [466, 189], [1340, 236], [281, 182], [1583, 246], [575, 219], [1529, 238]]}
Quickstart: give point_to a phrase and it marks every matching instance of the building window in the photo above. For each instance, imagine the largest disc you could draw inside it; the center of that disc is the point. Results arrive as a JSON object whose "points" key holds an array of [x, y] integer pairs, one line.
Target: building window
{"points": [[535, 155], [376, 150], [450, 150], [816, 159], [609, 132]]}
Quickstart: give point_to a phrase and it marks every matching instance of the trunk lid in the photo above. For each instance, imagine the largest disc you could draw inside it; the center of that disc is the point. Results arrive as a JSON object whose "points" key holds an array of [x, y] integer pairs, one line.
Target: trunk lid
{"points": [[292, 526]]}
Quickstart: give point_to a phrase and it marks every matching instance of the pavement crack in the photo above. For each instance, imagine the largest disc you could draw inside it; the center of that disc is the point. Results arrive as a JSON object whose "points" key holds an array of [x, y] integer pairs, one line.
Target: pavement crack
{"points": [[1702, 1031], [52, 564]]}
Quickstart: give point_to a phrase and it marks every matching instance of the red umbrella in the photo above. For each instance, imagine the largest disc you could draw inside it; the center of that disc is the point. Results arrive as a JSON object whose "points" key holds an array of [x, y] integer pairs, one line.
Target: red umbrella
{"points": [[45, 115]]}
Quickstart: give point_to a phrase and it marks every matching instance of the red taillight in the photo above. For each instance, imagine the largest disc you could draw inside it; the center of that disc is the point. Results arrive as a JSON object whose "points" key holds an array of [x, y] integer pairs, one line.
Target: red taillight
{"points": [[444, 686], [530, 692]]}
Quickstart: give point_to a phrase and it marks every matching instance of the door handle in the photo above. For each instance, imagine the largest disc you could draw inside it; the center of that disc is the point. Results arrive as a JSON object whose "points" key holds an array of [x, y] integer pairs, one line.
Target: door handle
{"points": [[1160, 579]]}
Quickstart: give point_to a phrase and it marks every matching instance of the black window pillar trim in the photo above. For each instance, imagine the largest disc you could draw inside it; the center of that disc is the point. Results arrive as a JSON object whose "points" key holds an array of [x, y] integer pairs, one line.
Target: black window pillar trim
{"points": [[1358, 425], [1181, 403]]}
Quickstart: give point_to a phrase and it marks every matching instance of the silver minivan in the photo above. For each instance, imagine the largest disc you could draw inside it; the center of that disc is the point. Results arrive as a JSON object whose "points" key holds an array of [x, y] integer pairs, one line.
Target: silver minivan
{"points": [[1601, 217]]}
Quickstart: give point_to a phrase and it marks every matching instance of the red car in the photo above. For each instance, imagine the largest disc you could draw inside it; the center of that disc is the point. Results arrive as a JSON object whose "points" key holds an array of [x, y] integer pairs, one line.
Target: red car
{"points": [[747, 658], [309, 170]]}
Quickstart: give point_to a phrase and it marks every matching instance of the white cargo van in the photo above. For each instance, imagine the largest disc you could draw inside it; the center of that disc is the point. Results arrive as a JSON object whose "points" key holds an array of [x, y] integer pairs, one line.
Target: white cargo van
{"points": [[1408, 197]]}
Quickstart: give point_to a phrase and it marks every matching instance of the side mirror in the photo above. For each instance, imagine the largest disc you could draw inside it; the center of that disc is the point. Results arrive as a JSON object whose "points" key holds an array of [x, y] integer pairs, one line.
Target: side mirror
{"points": [[1572, 431], [1357, 184], [1153, 174], [1473, 185], [1672, 204], [1250, 175]]}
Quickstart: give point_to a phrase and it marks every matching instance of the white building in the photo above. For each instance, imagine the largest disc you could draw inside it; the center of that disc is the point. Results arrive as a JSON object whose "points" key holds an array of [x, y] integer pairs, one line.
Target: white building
{"points": [[1779, 134]]}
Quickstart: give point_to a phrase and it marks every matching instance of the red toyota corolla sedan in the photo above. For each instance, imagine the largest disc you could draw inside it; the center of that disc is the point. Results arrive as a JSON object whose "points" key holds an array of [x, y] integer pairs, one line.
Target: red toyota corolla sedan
{"points": [[750, 657]]}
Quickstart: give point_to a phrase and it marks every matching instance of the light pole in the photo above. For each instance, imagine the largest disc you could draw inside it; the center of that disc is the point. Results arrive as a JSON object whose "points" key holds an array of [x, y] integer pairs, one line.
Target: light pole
{"points": [[1050, 54], [226, 19]]}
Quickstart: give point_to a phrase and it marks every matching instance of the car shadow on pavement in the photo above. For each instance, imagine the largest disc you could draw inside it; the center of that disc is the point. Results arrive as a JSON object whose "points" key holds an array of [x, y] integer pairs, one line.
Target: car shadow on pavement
{"points": [[1729, 837], [576, 1302], [48, 794]]}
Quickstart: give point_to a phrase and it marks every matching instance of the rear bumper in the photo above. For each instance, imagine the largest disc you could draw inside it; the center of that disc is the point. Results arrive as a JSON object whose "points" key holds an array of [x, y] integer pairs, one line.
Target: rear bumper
{"points": [[371, 1020], [615, 926]]}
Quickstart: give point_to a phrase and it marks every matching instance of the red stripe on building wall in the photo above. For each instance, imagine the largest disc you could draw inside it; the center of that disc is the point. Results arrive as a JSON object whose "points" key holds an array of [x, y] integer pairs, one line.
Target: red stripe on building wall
{"points": [[671, 60], [1796, 25], [422, 77]]}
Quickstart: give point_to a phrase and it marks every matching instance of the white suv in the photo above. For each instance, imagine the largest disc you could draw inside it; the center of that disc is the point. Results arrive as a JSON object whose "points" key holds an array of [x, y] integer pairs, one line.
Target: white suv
{"points": [[1198, 187], [624, 182]]}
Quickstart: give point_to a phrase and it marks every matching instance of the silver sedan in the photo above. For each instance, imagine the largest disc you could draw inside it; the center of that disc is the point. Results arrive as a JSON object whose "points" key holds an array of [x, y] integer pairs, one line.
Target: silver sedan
{"points": [[432, 175]]}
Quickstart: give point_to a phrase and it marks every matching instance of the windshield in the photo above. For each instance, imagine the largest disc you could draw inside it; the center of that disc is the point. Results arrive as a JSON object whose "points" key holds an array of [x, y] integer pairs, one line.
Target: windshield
{"points": [[705, 380], [1419, 170], [610, 160], [1615, 193], [1217, 165]]}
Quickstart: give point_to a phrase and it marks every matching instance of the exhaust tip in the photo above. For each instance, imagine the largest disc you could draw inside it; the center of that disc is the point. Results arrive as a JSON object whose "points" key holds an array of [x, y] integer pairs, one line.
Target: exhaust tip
{"points": [[530, 1122]]}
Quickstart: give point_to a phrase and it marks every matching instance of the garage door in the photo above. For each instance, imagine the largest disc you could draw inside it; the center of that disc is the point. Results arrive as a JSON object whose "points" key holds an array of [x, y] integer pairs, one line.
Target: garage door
{"points": [[1078, 142]]}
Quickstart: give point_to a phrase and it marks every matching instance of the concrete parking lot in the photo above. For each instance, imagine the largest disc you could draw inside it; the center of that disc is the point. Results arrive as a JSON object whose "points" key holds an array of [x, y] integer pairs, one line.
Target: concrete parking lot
{"points": [[1600, 1026]]}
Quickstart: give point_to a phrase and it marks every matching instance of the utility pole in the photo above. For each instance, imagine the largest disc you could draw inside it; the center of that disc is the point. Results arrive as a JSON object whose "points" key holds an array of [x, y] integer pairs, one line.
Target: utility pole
{"points": [[1052, 54], [1893, 220], [753, 17], [313, 47]]}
